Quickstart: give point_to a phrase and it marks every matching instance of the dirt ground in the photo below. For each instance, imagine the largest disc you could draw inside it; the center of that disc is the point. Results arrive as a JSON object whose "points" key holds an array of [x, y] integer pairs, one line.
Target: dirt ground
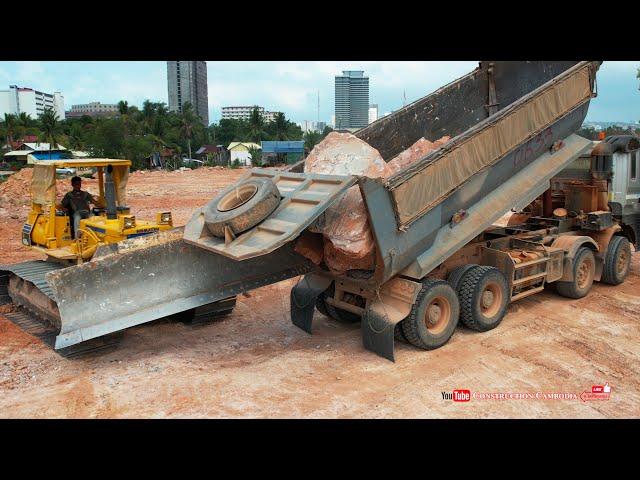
{"points": [[255, 363]]}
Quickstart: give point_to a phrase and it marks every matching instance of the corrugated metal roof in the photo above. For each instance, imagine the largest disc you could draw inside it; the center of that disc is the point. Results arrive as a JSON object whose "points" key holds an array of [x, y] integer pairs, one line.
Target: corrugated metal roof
{"points": [[283, 146]]}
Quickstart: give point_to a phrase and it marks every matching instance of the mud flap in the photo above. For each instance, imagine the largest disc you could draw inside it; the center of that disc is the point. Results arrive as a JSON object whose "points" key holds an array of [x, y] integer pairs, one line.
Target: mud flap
{"points": [[392, 305], [303, 299], [377, 333]]}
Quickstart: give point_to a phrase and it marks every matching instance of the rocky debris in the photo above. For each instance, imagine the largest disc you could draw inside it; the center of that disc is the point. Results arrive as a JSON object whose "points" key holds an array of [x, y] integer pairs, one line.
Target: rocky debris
{"points": [[310, 245], [414, 153], [348, 241], [344, 225]]}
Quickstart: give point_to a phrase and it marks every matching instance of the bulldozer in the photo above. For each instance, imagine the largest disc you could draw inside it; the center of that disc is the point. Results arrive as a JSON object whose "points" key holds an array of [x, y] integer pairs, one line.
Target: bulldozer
{"points": [[48, 229]]}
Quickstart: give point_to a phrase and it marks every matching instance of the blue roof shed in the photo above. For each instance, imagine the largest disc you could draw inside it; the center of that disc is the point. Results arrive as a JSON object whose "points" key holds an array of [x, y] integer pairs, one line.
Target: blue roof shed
{"points": [[283, 146]]}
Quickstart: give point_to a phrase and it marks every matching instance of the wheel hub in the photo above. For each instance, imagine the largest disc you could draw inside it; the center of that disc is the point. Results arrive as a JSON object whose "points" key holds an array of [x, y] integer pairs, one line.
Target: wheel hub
{"points": [[434, 315], [487, 298]]}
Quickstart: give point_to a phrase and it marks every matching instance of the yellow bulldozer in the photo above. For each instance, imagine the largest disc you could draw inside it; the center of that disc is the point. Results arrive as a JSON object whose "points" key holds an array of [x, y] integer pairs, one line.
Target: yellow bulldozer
{"points": [[48, 227]]}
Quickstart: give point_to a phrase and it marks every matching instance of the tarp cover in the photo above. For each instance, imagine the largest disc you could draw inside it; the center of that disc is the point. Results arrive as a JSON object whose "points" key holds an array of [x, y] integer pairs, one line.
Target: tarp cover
{"points": [[432, 181], [43, 185], [121, 177]]}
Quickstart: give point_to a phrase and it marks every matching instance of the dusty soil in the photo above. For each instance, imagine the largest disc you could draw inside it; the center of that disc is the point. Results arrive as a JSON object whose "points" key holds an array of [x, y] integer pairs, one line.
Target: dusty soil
{"points": [[255, 363]]}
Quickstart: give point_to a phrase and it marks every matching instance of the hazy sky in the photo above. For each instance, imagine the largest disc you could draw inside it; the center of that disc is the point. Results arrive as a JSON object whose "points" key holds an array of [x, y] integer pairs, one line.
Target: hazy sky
{"points": [[291, 87]]}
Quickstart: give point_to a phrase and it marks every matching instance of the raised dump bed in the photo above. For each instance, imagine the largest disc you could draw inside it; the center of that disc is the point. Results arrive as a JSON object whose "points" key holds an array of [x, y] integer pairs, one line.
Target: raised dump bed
{"points": [[513, 127]]}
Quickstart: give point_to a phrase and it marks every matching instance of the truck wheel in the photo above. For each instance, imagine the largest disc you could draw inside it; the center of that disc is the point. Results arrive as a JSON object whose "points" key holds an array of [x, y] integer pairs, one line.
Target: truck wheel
{"points": [[617, 261], [330, 311], [584, 267], [434, 315], [484, 296], [398, 334], [457, 273], [241, 206]]}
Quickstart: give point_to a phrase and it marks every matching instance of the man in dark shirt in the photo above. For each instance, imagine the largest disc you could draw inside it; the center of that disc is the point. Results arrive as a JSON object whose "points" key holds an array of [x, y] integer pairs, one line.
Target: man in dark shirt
{"points": [[77, 204]]}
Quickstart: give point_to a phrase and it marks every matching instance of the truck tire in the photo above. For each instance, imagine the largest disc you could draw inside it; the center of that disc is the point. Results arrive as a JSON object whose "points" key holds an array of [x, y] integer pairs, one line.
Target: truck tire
{"points": [[398, 334], [330, 311], [434, 315], [484, 297], [457, 273], [617, 261], [241, 206], [584, 268]]}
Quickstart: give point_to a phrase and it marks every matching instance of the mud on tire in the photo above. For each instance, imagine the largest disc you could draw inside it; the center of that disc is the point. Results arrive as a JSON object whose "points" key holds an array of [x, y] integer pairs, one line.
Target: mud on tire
{"points": [[584, 266], [484, 297], [617, 261], [434, 315], [241, 206]]}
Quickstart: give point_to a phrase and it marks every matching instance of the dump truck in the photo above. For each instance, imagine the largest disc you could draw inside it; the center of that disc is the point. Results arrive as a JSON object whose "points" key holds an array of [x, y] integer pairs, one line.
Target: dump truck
{"points": [[439, 260]]}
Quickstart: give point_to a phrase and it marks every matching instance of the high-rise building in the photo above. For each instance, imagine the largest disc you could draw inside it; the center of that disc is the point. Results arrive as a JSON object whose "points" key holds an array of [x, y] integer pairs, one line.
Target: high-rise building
{"points": [[352, 99], [187, 82], [373, 112], [17, 100]]}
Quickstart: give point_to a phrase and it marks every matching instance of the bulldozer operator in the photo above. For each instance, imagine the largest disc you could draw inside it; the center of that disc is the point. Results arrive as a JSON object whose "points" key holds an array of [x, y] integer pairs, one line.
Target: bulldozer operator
{"points": [[76, 204]]}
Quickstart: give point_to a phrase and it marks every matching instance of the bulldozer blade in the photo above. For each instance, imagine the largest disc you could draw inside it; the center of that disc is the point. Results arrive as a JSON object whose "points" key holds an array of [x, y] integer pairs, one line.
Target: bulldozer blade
{"points": [[147, 278]]}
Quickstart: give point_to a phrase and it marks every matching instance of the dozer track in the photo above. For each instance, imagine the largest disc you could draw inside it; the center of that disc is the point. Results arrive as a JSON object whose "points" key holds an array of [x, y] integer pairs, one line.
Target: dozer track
{"points": [[25, 286]]}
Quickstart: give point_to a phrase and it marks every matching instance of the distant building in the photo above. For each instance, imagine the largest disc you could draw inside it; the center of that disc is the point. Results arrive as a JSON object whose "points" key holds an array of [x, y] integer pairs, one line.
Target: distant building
{"points": [[351, 100], [187, 82], [373, 112], [93, 109], [27, 152], [240, 151], [217, 154], [311, 126], [17, 100], [243, 112]]}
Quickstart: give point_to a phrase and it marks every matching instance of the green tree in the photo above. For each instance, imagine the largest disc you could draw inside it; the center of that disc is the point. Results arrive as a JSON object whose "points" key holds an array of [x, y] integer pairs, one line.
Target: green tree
{"points": [[10, 125], [50, 128], [256, 125], [187, 122], [281, 127], [256, 156], [311, 139]]}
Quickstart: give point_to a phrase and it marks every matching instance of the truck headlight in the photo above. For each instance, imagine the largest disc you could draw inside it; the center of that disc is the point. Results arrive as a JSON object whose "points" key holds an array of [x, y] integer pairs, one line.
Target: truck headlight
{"points": [[129, 222], [165, 217]]}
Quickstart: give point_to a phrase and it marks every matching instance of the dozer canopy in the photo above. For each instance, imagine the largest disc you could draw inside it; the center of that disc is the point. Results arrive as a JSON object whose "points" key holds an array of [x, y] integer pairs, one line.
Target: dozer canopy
{"points": [[43, 185]]}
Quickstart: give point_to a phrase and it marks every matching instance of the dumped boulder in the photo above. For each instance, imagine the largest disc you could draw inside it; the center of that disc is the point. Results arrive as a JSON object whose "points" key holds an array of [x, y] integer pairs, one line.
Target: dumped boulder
{"points": [[348, 242]]}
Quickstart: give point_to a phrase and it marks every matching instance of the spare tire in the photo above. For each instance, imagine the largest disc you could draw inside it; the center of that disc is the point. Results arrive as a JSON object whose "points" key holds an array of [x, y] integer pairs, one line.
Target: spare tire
{"points": [[241, 206]]}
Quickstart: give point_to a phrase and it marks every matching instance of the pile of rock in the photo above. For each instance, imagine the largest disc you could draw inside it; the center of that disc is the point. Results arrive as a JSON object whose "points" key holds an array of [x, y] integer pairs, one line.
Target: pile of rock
{"points": [[347, 241]]}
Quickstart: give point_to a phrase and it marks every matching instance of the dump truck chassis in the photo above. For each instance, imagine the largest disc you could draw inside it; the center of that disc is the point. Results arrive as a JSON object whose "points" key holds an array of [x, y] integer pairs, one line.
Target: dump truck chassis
{"points": [[542, 256]]}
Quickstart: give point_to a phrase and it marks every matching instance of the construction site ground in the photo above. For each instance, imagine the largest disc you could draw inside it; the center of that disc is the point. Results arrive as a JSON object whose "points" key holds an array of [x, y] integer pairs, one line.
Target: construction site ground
{"points": [[255, 363]]}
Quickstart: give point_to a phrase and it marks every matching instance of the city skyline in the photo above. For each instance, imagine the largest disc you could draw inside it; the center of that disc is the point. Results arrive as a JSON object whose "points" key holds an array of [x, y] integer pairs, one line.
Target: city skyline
{"points": [[290, 87]]}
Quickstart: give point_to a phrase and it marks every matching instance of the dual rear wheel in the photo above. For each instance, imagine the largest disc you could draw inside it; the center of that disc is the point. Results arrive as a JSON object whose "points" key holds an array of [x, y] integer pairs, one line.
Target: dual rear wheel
{"points": [[476, 295]]}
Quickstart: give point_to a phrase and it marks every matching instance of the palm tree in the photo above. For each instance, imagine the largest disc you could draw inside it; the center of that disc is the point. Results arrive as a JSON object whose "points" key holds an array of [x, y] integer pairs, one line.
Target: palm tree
{"points": [[50, 127], [187, 120], [123, 107], [25, 119], [311, 138], [281, 126], [10, 122], [256, 125]]}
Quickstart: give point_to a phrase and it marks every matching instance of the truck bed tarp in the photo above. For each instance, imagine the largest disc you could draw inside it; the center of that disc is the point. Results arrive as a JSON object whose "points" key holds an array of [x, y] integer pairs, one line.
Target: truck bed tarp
{"points": [[418, 189]]}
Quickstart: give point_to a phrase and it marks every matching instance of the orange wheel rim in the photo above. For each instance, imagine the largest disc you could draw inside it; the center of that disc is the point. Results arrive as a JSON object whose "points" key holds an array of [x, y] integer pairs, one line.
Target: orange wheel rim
{"points": [[491, 299], [437, 315]]}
